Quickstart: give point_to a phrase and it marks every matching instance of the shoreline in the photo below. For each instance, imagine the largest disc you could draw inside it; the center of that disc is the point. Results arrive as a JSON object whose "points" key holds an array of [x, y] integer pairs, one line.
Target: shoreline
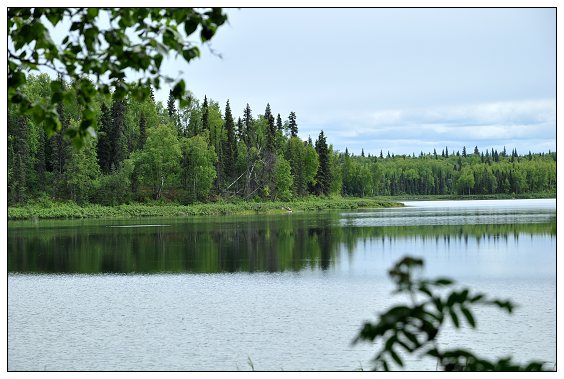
{"points": [[50, 210], [69, 210]]}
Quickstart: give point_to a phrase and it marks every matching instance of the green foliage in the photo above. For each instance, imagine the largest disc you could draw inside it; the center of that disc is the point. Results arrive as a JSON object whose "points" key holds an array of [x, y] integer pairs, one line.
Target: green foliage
{"points": [[323, 177], [115, 189], [282, 179], [292, 125], [88, 50], [414, 327], [49, 209], [304, 163], [82, 172], [230, 145], [159, 162], [245, 166], [198, 168], [455, 175]]}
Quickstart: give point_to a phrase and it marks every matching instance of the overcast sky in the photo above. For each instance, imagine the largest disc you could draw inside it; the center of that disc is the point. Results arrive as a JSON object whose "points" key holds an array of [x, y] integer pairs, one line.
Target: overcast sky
{"points": [[403, 80]]}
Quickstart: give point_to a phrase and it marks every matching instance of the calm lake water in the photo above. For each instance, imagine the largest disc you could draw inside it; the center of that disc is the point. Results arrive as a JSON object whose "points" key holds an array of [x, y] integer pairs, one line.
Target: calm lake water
{"points": [[285, 292]]}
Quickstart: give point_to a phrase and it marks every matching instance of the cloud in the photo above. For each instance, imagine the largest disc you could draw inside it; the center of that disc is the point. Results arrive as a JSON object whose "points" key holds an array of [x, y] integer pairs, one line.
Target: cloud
{"points": [[485, 124]]}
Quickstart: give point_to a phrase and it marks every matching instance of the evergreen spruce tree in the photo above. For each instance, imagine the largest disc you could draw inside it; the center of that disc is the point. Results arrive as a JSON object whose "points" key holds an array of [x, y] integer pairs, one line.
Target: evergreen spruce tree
{"points": [[268, 113], [40, 165], [230, 149], [59, 145], [292, 125], [205, 115], [173, 112], [323, 177], [271, 132], [118, 140], [60, 149], [248, 136], [279, 125], [142, 130], [171, 105], [103, 149], [17, 186], [464, 151], [240, 130]]}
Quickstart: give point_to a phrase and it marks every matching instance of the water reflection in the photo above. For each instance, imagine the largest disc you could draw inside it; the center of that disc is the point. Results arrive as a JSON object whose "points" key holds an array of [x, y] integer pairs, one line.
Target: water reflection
{"points": [[252, 244]]}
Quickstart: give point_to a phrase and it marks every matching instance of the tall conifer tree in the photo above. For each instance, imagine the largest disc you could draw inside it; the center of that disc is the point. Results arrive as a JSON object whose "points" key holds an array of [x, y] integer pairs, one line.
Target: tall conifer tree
{"points": [[205, 115], [323, 177], [118, 140], [248, 126], [230, 149], [104, 150], [292, 125], [240, 130], [171, 105], [271, 132], [142, 130]]}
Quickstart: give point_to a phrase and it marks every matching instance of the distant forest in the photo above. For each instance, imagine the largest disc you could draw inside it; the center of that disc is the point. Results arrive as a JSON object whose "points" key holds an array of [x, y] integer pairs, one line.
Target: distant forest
{"points": [[146, 150]]}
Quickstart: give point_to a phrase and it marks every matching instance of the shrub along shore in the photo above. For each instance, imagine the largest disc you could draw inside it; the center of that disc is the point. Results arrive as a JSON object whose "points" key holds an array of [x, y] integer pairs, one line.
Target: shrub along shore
{"points": [[47, 209], [69, 210]]}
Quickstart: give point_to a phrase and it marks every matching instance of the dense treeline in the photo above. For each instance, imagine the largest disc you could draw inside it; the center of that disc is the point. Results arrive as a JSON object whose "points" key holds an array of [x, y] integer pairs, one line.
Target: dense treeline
{"points": [[146, 150], [478, 173]]}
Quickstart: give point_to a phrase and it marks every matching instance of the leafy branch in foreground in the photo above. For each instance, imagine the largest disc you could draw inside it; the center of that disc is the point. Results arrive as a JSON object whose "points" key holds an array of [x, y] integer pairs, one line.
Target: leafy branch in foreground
{"points": [[414, 327], [136, 39]]}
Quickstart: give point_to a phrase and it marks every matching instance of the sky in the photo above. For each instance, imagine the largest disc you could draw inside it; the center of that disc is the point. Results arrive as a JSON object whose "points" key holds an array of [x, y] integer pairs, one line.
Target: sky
{"points": [[398, 80]]}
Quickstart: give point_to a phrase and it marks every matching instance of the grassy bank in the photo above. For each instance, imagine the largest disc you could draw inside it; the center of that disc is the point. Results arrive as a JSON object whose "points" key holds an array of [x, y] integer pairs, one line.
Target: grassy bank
{"points": [[66, 210]]}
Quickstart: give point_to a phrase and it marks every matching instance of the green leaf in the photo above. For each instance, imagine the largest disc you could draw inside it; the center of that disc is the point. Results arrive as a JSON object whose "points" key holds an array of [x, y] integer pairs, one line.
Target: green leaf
{"points": [[77, 25], [92, 12], [191, 53], [454, 317], [207, 32], [190, 25], [396, 358], [412, 338], [169, 39], [443, 282], [16, 79], [54, 16], [217, 16], [469, 316], [158, 59], [179, 89]]}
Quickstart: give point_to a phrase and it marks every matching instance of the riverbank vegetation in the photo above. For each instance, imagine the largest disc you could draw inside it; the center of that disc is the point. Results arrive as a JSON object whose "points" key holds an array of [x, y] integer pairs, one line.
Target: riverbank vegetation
{"points": [[198, 153], [47, 209]]}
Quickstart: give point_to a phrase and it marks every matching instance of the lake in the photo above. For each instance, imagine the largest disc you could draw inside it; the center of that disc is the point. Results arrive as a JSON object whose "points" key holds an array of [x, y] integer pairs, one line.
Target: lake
{"points": [[284, 292]]}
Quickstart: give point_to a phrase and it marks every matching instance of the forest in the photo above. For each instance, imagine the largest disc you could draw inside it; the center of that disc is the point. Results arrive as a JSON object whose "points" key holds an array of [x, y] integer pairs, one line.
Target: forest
{"points": [[145, 150]]}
